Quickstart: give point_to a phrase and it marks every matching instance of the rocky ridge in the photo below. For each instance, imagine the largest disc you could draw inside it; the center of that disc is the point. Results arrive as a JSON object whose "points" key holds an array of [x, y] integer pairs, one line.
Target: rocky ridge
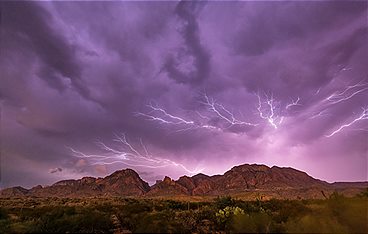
{"points": [[275, 181]]}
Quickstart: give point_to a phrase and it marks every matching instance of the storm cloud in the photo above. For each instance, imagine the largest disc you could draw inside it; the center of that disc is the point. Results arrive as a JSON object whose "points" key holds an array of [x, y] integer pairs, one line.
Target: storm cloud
{"points": [[173, 88]]}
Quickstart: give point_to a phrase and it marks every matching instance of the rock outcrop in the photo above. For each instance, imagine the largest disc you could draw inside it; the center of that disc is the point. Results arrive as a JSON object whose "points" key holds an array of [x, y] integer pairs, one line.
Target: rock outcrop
{"points": [[121, 183], [277, 181], [167, 187]]}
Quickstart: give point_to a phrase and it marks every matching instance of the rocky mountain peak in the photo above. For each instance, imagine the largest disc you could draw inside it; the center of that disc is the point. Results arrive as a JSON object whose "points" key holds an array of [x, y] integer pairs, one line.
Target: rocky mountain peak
{"points": [[240, 179]]}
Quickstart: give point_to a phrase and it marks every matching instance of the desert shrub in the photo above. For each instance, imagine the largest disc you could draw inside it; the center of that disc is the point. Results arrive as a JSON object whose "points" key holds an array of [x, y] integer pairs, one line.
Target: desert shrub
{"points": [[206, 212], [336, 202], [156, 222], [158, 206], [61, 219], [337, 214], [93, 222], [289, 209], [5, 226], [336, 205], [248, 206], [176, 205], [259, 222], [4, 222], [222, 202], [88, 221], [315, 224], [203, 203], [363, 193], [104, 207], [273, 205], [130, 221], [186, 221], [131, 213], [138, 207], [3, 213], [350, 212], [69, 210], [27, 213], [23, 227], [225, 216]]}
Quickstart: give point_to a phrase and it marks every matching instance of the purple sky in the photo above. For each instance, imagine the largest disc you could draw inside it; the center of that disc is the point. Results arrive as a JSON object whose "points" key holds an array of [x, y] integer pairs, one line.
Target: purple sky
{"points": [[173, 88]]}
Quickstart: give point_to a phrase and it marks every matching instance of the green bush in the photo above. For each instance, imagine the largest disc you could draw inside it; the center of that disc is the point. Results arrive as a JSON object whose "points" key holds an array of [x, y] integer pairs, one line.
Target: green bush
{"points": [[222, 202], [225, 216], [61, 220], [337, 214]]}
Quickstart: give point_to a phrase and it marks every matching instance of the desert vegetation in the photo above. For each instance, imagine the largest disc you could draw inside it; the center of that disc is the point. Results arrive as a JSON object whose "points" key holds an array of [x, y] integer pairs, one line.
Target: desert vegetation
{"points": [[335, 214]]}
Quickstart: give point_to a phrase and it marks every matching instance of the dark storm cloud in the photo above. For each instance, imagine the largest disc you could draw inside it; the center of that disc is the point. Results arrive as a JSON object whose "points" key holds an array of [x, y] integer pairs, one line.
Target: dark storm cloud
{"points": [[193, 53], [77, 72], [280, 24], [28, 25], [284, 45], [308, 72], [342, 51]]}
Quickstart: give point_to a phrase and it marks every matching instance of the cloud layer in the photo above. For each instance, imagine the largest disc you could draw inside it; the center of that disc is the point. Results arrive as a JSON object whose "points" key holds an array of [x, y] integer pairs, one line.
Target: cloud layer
{"points": [[187, 86]]}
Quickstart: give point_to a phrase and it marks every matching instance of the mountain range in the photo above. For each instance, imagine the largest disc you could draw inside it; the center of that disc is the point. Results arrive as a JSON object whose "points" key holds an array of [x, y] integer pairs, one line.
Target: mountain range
{"points": [[247, 181]]}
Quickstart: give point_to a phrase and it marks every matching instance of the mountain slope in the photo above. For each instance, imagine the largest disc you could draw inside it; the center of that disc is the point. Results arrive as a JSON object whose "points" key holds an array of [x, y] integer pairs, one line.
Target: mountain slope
{"points": [[123, 182], [243, 179]]}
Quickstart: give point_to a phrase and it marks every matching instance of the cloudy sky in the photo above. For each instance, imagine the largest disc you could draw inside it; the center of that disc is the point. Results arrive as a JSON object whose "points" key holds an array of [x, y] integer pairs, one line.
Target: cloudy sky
{"points": [[174, 88]]}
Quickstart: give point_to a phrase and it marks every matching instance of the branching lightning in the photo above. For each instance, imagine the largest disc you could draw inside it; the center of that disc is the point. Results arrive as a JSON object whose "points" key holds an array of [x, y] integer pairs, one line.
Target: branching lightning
{"points": [[338, 97], [293, 103], [362, 116], [129, 155], [220, 111], [162, 116], [165, 118], [347, 93], [267, 111]]}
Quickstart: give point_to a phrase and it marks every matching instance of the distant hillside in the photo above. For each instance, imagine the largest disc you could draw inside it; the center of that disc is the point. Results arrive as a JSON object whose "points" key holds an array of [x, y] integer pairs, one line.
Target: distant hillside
{"points": [[245, 180]]}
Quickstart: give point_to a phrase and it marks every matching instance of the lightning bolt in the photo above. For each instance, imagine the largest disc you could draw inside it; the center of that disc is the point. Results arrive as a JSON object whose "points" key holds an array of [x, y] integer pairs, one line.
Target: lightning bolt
{"points": [[267, 111], [347, 93], [293, 103], [337, 97], [319, 114], [129, 155], [362, 116], [166, 117], [176, 119], [162, 116], [220, 111]]}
